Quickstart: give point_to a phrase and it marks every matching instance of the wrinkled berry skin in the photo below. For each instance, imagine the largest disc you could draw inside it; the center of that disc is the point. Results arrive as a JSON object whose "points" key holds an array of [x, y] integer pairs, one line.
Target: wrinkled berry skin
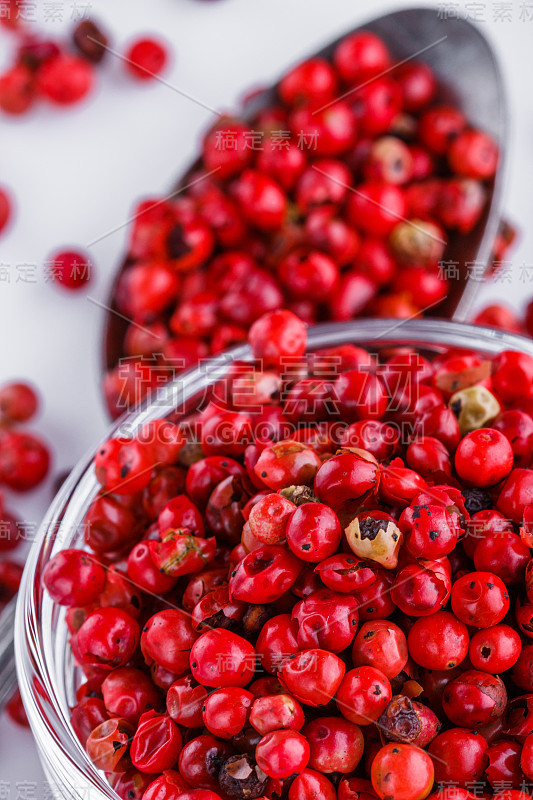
{"points": [[474, 699], [407, 721], [351, 475]]}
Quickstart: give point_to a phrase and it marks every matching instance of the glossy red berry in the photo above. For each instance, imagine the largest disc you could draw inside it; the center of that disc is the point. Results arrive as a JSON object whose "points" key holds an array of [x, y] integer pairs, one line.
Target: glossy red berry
{"points": [[474, 154], [65, 79], [226, 711], [220, 658], [495, 649], [480, 599], [108, 638], [287, 463], [313, 676], [402, 772], [484, 457], [282, 753], [336, 744], [311, 81], [459, 756], [350, 475], [185, 701], [73, 578], [474, 699], [438, 642], [363, 695], [24, 460], [5, 202], [278, 335], [376, 208], [381, 644], [123, 466], [146, 58], [128, 692], [310, 784], [167, 639], [313, 532], [17, 89], [360, 56], [70, 269]]}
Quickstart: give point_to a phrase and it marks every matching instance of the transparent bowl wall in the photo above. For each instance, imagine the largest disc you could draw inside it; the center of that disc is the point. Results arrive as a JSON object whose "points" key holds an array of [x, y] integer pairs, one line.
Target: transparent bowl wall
{"points": [[47, 676]]}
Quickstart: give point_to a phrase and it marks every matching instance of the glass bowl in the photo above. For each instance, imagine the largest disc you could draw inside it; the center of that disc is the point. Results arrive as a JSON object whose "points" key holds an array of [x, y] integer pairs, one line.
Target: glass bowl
{"points": [[47, 674]]}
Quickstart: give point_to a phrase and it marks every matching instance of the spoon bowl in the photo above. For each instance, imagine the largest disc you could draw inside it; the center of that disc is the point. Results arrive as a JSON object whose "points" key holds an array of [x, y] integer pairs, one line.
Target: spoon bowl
{"points": [[468, 77]]}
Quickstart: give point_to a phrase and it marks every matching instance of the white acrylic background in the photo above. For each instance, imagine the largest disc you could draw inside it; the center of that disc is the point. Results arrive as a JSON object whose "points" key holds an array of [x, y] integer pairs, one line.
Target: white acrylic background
{"points": [[75, 175]]}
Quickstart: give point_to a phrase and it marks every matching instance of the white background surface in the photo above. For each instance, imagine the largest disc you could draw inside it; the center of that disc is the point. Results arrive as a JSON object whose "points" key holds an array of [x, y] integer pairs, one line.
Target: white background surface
{"points": [[75, 175]]}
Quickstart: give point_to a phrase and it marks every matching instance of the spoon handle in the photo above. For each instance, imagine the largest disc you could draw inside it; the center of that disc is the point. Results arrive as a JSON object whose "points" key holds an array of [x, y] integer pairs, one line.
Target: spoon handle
{"points": [[8, 674]]}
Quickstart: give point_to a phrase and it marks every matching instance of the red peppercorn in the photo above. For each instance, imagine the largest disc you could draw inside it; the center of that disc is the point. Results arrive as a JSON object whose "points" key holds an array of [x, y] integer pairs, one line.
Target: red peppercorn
{"points": [[199, 764], [90, 41], [376, 208], [474, 154], [311, 81], [402, 772], [24, 461], [351, 475], [65, 79], [71, 269], [515, 495], [261, 200], [480, 599], [226, 711], [380, 644], [439, 126], [310, 783], [360, 56], [170, 786], [73, 578], [363, 695], [282, 753], [474, 698], [17, 89], [417, 83], [156, 743], [484, 457], [313, 532], [264, 575], [167, 639], [459, 755], [336, 744], [108, 743], [108, 638], [313, 676], [146, 58], [220, 658], [495, 649], [438, 642], [5, 199], [143, 572], [277, 335], [276, 712], [123, 466], [128, 693]]}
